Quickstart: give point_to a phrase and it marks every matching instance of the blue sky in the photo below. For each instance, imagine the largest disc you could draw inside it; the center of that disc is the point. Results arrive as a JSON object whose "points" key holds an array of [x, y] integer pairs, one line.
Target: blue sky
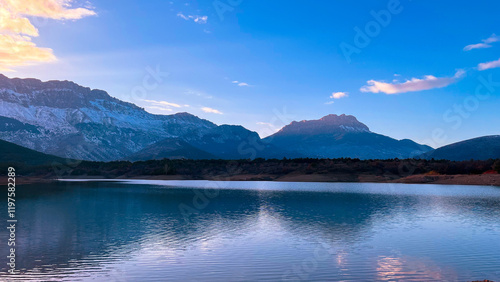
{"points": [[262, 64]]}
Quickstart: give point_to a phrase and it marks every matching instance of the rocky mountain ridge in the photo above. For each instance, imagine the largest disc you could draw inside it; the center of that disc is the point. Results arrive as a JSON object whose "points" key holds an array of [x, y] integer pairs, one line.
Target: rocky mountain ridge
{"points": [[65, 119]]}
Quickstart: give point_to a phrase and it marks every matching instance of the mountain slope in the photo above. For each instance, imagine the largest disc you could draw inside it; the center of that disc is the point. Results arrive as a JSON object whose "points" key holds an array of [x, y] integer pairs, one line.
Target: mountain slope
{"points": [[65, 119], [11, 154], [68, 120], [342, 136], [170, 148], [481, 148], [236, 142]]}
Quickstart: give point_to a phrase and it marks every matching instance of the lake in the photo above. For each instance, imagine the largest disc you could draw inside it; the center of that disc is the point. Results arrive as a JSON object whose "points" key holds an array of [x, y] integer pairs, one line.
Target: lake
{"points": [[248, 231]]}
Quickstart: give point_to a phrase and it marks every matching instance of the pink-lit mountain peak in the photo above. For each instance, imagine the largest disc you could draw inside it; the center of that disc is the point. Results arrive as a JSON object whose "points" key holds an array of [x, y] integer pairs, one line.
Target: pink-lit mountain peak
{"points": [[326, 125]]}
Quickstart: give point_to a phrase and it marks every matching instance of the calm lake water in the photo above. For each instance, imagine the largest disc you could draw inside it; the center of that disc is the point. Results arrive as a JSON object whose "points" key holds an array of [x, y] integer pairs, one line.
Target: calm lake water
{"points": [[247, 231]]}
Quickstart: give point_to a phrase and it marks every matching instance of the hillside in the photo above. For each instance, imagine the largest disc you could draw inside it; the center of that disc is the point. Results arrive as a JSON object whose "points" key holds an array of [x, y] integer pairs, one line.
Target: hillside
{"points": [[344, 136], [65, 119], [170, 148], [481, 148], [12, 154]]}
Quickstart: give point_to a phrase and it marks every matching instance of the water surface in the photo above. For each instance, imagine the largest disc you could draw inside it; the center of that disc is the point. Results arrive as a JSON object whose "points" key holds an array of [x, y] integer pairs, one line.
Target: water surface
{"points": [[247, 231]]}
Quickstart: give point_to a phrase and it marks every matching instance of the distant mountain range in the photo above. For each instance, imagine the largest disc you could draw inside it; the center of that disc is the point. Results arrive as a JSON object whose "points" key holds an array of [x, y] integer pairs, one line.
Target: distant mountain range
{"points": [[64, 119], [481, 148], [342, 136], [68, 120]]}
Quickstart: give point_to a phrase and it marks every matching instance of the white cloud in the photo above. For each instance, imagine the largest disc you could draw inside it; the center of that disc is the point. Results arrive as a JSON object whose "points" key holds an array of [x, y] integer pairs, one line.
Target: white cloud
{"points": [[201, 20], [412, 85], [329, 102], [241, 84], [198, 93], [484, 44], [16, 29], [196, 19], [265, 123], [181, 15], [477, 46], [492, 38], [211, 111], [162, 106], [163, 103], [338, 95], [489, 65], [159, 108]]}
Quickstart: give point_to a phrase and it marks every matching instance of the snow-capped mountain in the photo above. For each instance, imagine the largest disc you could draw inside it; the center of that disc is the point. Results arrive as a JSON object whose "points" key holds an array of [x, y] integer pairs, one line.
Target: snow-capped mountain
{"points": [[65, 119], [68, 120]]}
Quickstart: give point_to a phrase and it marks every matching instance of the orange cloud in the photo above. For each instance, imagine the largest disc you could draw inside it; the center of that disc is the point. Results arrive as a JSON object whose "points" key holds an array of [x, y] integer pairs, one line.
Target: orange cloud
{"points": [[52, 9], [16, 50], [11, 23], [16, 30]]}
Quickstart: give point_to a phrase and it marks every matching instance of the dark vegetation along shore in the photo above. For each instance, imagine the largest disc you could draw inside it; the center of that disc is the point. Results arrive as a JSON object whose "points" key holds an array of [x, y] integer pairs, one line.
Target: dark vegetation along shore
{"points": [[300, 170], [33, 166]]}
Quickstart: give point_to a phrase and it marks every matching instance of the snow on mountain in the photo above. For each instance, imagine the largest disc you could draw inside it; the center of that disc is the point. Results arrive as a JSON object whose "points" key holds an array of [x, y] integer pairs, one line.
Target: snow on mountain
{"points": [[77, 122], [65, 119]]}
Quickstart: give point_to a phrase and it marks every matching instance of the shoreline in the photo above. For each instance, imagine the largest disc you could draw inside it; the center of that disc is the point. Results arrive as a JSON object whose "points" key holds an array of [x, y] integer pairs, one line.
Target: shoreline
{"points": [[458, 179]]}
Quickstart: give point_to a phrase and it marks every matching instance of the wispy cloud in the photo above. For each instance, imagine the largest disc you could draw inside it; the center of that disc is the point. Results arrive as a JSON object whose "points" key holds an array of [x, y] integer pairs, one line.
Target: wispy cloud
{"points": [[163, 103], [339, 95], [196, 19], [241, 84], [489, 65], [211, 111], [265, 123], [484, 44], [159, 108], [412, 85], [198, 93], [477, 46], [16, 29], [163, 106], [269, 127]]}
